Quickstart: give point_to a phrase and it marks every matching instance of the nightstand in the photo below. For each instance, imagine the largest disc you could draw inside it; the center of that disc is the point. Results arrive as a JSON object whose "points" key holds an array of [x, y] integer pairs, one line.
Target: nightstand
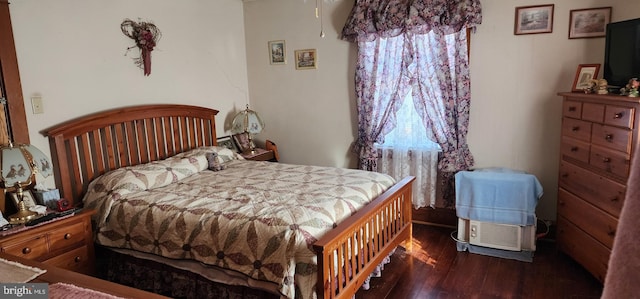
{"points": [[269, 153], [66, 243], [259, 155]]}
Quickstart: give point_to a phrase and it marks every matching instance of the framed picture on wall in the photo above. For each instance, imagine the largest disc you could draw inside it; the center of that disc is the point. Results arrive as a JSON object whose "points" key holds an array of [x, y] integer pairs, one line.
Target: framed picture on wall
{"points": [[590, 22], [584, 74], [534, 19], [306, 59], [277, 52]]}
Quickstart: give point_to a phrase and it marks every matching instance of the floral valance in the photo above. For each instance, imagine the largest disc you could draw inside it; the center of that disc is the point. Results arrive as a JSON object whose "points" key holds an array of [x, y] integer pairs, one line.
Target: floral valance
{"points": [[370, 19]]}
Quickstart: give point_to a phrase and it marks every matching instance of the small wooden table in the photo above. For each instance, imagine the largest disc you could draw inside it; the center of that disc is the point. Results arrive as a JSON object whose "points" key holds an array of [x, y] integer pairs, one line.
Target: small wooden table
{"points": [[259, 154], [56, 275]]}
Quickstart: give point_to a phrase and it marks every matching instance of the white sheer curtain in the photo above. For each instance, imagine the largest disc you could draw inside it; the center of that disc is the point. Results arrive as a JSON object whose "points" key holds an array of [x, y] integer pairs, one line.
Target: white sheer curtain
{"points": [[407, 151]]}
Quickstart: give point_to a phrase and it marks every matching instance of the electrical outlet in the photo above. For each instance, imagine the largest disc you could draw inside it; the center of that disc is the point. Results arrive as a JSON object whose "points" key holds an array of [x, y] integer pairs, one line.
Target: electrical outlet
{"points": [[36, 105]]}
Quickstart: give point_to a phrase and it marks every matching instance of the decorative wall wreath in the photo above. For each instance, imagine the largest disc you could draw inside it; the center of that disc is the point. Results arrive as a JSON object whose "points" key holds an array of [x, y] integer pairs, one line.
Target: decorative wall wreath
{"points": [[146, 36]]}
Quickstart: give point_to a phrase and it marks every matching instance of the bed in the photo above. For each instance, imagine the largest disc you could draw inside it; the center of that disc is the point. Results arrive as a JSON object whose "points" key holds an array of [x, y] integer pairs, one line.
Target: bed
{"points": [[129, 139]]}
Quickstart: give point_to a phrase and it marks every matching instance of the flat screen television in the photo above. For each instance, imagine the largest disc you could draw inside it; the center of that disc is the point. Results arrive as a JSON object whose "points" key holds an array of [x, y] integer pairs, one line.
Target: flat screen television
{"points": [[622, 53]]}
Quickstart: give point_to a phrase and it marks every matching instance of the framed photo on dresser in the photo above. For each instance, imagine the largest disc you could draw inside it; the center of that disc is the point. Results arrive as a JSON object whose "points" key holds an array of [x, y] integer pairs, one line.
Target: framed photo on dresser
{"points": [[584, 74]]}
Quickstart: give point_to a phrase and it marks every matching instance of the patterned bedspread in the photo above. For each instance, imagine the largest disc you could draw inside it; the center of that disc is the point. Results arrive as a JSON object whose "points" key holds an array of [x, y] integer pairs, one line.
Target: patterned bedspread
{"points": [[257, 218]]}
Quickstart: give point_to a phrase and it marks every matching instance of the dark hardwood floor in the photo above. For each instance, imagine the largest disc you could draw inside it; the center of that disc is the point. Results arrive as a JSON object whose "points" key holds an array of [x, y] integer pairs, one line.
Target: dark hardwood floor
{"points": [[435, 269]]}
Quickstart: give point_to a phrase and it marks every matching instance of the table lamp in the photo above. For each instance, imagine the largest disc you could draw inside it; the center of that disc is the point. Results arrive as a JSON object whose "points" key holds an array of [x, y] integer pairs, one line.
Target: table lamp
{"points": [[247, 121], [19, 165]]}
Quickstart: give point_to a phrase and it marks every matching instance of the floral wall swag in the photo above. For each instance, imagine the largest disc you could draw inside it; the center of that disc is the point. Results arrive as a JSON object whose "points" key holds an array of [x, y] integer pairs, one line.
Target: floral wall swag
{"points": [[146, 35]]}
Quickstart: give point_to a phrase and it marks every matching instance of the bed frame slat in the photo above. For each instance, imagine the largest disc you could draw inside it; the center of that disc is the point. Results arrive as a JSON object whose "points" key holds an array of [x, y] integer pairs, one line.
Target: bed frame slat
{"points": [[159, 139], [85, 150], [97, 146]]}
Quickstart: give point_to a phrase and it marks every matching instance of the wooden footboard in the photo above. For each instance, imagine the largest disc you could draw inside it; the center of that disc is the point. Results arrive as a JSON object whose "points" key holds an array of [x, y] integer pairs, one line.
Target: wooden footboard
{"points": [[351, 251]]}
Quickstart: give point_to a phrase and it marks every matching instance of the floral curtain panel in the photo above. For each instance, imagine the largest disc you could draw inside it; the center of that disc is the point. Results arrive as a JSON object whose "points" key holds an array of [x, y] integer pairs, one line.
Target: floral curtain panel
{"points": [[371, 19], [378, 98], [443, 98]]}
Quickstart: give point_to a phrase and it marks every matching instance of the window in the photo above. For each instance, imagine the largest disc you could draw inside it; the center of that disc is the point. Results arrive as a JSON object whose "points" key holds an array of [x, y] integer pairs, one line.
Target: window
{"points": [[409, 132]]}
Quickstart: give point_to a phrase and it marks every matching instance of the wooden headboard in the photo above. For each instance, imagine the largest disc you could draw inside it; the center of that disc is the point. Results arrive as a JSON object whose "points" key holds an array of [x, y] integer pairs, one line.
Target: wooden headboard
{"points": [[87, 147]]}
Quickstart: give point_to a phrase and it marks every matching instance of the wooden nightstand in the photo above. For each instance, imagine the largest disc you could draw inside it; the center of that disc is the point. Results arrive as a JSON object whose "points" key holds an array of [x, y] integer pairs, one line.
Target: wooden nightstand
{"points": [[259, 155], [66, 243], [268, 154]]}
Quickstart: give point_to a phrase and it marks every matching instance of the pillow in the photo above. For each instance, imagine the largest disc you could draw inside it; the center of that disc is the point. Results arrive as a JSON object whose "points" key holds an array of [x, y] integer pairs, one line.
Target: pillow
{"points": [[223, 153], [216, 162]]}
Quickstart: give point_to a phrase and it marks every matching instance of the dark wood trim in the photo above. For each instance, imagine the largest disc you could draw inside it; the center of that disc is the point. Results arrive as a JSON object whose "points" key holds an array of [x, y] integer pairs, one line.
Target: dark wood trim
{"points": [[11, 76]]}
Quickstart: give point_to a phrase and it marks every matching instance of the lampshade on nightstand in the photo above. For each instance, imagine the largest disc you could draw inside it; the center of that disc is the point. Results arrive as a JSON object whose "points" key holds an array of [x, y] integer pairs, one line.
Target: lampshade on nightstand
{"points": [[247, 121], [19, 164]]}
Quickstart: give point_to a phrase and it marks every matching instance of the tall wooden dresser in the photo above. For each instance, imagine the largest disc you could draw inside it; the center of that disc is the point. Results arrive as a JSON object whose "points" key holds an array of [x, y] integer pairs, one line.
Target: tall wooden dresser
{"points": [[599, 135]]}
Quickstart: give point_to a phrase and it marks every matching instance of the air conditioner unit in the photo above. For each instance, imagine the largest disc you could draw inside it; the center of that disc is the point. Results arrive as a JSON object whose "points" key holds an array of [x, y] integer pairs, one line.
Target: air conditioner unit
{"points": [[495, 235]]}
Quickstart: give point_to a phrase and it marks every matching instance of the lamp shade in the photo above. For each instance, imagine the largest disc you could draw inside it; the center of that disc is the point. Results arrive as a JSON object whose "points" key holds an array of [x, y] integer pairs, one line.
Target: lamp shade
{"points": [[247, 121], [20, 162]]}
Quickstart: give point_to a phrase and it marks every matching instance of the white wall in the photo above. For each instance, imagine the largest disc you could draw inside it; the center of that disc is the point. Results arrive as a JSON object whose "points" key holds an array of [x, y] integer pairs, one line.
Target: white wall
{"points": [[72, 53], [515, 112], [309, 114]]}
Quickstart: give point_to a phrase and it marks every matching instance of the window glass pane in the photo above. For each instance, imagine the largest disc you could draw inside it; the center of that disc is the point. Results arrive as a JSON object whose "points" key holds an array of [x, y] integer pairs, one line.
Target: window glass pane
{"points": [[410, 131]]}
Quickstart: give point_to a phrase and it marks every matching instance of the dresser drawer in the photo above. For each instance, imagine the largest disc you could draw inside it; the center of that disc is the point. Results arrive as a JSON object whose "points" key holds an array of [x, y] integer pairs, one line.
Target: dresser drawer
{"points": [[583, 248], [66, 236], [593, 112], [601, 192], [577, 129], [572, 109], [575, 149], [74, 260], [29, 248], [619, 116], [66, 242], [613, 162], [599, 224], [611, 137]]}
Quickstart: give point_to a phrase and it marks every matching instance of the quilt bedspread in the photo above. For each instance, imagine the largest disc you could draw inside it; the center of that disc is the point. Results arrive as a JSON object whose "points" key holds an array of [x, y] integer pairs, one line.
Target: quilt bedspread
{"points": [[257, 218]]}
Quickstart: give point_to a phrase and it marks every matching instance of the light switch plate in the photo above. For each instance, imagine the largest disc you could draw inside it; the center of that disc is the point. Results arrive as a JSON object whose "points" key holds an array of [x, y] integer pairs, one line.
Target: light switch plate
{"points": [[36, 105]]}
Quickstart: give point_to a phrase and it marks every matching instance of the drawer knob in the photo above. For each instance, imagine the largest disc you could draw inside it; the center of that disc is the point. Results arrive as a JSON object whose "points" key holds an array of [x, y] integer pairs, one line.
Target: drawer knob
{"points": [[572, 108], [606, 160], [26, 250], [574, 148], [618, 115], [614, 199], [561, 203], [67, 236], [575, 129], [564, 175], [77, 259], [608, 137], [611, 232]]}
